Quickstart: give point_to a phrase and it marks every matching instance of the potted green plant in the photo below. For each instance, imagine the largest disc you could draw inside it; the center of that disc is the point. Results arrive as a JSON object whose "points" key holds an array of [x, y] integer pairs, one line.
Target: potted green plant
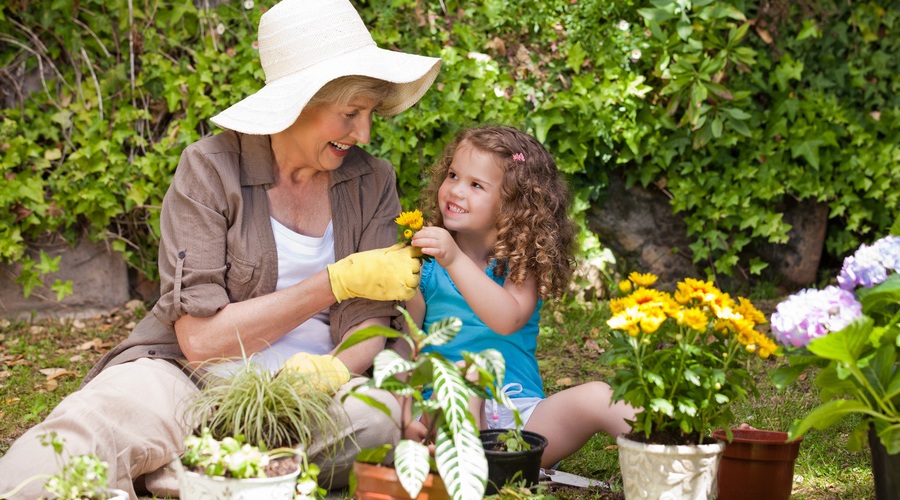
{"points": [[513, 455], [230, 468], [683, 359], [248, 417], [458, 457], [82, 477], [851, 333]]}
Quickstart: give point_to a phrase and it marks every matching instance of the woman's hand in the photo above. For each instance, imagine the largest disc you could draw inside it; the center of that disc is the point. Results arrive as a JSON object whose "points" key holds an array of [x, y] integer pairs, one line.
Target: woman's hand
{"points": [[381, 274]]}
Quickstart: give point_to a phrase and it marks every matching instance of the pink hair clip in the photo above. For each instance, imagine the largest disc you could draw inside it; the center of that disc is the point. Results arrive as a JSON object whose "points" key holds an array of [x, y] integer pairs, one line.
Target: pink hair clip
{"points": [[519, 157]]}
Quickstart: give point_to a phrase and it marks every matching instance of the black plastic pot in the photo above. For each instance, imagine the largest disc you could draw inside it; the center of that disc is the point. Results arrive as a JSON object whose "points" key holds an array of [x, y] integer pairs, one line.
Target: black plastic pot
{"points": [[506, 466], [885, 469]]}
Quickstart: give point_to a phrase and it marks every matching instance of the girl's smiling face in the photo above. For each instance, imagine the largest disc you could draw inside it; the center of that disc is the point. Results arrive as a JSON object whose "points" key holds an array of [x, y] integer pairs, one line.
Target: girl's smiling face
{"points": [[469, 197]]}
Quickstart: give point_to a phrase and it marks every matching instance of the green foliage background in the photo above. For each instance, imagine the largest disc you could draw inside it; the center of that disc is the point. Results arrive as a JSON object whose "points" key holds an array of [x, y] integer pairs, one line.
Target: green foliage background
{"points": [[729, 106]]}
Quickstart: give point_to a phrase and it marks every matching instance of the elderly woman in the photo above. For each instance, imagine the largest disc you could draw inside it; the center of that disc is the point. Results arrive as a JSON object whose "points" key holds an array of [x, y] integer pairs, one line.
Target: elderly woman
{"points": [[257, 228]]}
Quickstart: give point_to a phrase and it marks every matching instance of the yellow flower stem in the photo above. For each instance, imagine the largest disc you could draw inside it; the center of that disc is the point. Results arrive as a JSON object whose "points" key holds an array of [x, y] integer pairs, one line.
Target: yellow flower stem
{"points": [[685, 340], [638, 346]]}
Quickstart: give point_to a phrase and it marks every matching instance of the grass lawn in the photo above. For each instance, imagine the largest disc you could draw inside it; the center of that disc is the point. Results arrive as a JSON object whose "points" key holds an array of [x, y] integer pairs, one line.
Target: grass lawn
{"points": [[42, 361]]}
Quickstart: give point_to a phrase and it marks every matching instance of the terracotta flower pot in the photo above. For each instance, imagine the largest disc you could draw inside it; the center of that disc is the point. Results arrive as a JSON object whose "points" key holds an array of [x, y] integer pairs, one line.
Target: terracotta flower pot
{"points": [[687, 472], [379, 482], [504, 465], [757, 464]]}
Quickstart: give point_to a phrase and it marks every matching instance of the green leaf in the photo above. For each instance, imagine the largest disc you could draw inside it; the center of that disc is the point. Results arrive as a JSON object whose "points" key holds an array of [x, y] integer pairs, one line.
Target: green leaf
{"points": [[62, 288], [810, 29], [825, 415], [657, 15], [684, 29], [374, 455], [411, 463], [809, 150], [388, 363], [575, 57], [662, 406], [442, 331], [845, 345], [451, 392], [461, 462], [367, 333]]}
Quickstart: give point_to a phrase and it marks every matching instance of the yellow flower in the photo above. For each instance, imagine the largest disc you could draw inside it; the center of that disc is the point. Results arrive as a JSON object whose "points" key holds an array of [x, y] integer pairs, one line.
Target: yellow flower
{"points": [[619, 305], [627, 320], [625, 286], [413, 219], [642, 279], [652, 319], [408, 233], [693, 318], [746, 309], [695, 290]]}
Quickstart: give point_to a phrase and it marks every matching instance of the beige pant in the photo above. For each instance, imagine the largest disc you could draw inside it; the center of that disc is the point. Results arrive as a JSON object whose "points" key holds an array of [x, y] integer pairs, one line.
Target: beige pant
{"points": [[130, 416]]}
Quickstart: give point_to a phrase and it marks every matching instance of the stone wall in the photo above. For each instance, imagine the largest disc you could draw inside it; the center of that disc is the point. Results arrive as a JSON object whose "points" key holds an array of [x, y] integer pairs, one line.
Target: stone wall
{"points": [[99, 282]]}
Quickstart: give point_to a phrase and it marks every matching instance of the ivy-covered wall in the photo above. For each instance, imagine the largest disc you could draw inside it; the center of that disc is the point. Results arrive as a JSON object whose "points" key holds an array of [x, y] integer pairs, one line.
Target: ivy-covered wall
{"points": [[727, 106]]}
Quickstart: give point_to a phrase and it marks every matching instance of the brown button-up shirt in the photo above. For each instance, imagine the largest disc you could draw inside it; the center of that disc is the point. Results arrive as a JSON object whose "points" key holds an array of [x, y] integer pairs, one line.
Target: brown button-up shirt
{"points": [[217, 245]]}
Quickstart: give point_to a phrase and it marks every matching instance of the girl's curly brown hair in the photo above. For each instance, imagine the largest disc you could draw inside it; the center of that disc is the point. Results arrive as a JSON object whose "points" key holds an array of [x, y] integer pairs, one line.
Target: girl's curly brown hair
{"points": [[534, 232]]}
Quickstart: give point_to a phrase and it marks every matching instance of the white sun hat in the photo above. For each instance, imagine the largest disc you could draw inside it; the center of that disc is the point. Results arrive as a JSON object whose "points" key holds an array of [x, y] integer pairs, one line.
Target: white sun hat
{"points": [[304, 44]]}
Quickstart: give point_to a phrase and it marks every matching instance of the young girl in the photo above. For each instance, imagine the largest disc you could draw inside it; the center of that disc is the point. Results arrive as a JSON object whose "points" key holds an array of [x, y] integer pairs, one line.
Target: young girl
{"points": [[502, 242]]}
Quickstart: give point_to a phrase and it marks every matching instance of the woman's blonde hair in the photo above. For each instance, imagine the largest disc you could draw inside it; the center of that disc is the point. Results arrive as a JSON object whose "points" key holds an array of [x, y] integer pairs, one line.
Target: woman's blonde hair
{"points": [[535, 235], [341, 91]]}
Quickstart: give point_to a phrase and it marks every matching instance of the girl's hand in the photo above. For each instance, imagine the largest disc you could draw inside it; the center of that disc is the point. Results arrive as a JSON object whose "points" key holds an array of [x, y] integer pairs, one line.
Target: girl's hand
{"points": [[437, 242]]}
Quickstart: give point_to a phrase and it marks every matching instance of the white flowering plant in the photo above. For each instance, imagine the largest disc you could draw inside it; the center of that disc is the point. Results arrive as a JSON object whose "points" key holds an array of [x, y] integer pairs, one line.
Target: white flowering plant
{"points": [[79, 477], [851, 332], [232, 457]]}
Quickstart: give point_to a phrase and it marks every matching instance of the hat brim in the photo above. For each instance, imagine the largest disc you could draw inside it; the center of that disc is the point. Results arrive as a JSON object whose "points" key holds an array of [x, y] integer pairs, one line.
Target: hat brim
{"points": [[278, 104]]}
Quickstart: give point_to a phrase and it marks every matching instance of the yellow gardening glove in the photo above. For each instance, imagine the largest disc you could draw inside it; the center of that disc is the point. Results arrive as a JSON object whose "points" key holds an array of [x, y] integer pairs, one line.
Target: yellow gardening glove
{"points": [[324, 372], [380, 274]]}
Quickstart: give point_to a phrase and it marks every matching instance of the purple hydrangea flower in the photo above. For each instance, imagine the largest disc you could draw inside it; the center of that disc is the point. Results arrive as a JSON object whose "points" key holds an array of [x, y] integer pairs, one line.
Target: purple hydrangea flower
{"points": [[812, 313], [889, 248], [870, 265]]}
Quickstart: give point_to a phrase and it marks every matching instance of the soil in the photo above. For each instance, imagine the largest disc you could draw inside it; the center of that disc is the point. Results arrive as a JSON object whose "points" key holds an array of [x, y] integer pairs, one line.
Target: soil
{"points": [[667, 438], [563, 492], [275, 468]]}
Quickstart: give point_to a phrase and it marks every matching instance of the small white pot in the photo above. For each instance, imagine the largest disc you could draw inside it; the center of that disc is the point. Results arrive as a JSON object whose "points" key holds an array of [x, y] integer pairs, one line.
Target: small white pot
{"points": [[194, 486], [669, 472]]}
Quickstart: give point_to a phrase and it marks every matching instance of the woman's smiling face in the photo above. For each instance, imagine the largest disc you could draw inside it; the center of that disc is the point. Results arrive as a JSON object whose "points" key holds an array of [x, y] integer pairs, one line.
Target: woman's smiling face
{"points": [[322, 135], [469, 197]]}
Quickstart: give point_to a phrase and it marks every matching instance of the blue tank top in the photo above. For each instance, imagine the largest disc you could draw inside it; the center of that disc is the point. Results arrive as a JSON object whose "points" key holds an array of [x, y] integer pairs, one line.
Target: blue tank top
{"points": [[443, 300]]}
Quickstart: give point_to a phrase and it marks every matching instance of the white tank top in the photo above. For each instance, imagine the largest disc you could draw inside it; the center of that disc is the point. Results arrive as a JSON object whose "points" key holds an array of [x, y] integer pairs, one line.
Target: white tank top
{"points": [[299, 257]]}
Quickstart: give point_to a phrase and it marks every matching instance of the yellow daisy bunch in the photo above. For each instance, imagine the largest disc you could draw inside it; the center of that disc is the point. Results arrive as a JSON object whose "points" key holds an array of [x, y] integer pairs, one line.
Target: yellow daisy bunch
{"points": [[683, 357], [412, 221]]}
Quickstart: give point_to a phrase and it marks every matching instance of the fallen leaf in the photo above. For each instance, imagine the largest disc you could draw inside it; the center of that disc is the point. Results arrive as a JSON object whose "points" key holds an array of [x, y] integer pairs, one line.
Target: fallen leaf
{"points": [[94, 343], [76, 358], [594, 346], [611, 447], [802, 376], [54, 373], [564, 382], [766, 37], [51, 385], [11, 400], [5, 374]]}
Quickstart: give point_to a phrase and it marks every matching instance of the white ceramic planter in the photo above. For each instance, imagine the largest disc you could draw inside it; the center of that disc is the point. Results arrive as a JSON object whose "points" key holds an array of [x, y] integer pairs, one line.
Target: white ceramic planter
{"points": [[669, 472], [193, 486]]}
